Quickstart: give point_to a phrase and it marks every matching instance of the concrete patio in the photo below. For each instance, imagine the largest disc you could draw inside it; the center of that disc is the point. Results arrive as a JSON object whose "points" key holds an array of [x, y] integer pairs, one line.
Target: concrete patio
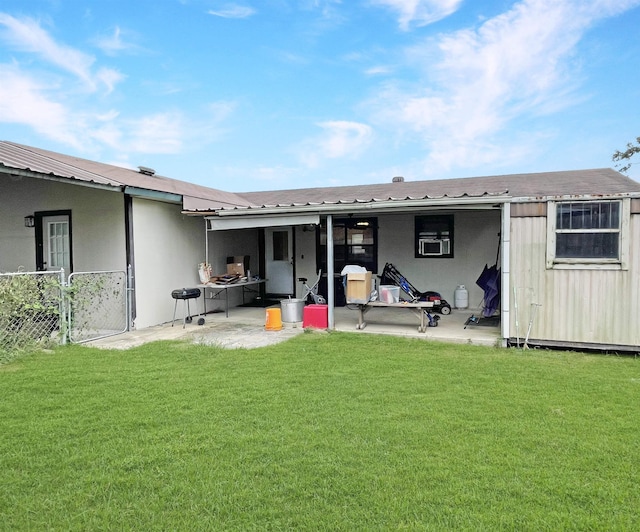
{"points": [[245, 328]]}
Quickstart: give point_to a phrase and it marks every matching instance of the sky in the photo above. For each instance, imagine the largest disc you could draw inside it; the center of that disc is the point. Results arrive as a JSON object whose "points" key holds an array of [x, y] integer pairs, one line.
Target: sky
{"points": [[252, 95]]}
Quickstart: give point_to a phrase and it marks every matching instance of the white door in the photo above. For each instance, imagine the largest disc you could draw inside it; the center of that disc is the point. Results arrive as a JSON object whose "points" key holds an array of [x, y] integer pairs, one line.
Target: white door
{"points": [[56, 243], [279, 260]]}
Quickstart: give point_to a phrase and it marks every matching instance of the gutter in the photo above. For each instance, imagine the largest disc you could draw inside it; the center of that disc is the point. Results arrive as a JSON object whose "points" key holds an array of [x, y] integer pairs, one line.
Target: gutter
{"points": [[167, 197], [132, 191], [66, 180], [577, 197], [359, 206]]}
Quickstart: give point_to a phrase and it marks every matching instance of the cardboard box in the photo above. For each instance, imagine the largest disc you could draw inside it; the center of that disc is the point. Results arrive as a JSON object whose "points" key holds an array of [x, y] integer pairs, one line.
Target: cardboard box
{"points": [[235, 268], [389, 293], [238, 265], [358, 288]]}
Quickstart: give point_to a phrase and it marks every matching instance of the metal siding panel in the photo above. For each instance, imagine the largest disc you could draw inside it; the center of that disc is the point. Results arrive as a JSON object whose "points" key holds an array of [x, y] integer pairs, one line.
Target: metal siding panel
{"points": [[519, 210], [527, 265], [587, 306]]}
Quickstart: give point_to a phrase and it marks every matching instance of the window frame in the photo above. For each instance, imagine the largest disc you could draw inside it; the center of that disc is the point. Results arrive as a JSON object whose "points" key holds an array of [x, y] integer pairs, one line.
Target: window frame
{"points": [[617, 263], [421, 223], [344, 248]]}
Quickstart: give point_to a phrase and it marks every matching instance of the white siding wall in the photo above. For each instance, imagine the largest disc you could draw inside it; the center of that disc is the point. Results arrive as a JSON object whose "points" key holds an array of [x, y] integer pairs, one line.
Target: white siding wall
{"points": [[97, 223], [583, 306], [475, 244], [168, 247]]}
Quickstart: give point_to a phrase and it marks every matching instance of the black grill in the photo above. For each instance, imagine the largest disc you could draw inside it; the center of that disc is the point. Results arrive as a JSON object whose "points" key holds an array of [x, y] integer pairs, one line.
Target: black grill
{"points": [[185, 294]]}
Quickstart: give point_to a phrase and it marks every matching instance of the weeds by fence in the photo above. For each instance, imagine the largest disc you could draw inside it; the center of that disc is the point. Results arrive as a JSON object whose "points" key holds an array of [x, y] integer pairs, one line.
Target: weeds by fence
{"points": [[40, 309], [31, 311]]}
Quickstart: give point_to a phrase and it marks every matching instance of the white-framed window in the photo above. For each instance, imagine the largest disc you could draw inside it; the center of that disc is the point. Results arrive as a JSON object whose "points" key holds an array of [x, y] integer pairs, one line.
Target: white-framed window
{"points": [[588, 234]]}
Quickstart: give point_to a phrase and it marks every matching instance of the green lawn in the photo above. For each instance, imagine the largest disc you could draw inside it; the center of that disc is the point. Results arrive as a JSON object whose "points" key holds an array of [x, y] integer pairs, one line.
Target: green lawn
{"points": [[332, 431]]}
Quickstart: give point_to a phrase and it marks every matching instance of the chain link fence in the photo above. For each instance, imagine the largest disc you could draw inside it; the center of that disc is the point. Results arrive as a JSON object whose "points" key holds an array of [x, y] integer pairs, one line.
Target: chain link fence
{"points": [[41, 309], [32, 311]]}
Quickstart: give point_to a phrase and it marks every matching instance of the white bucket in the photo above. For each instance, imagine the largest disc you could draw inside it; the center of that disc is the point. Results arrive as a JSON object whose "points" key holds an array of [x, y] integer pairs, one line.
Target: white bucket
{"points": [[461, 297]]}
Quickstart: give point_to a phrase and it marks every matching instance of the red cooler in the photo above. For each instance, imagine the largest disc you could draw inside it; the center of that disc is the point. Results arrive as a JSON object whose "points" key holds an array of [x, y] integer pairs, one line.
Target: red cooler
{"points": [[316, 316]]}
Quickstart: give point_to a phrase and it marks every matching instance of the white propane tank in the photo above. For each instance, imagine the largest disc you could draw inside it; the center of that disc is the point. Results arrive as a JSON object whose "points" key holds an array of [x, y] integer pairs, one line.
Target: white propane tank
{"points": [[461, 297]]}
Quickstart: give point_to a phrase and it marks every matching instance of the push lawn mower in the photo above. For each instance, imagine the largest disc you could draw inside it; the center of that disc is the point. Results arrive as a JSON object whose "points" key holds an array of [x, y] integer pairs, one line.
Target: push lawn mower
{"points": [[390, 275]]}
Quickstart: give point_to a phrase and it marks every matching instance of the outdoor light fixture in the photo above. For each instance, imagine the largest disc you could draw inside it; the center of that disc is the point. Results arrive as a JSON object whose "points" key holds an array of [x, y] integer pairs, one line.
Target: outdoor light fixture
{"points": [[30, 221]]}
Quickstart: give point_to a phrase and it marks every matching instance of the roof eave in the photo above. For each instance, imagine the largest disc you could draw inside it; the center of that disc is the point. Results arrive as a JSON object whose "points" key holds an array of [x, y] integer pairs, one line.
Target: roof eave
{"points": [[59, 179], [166, 197], [580, 197], [352, 207]]}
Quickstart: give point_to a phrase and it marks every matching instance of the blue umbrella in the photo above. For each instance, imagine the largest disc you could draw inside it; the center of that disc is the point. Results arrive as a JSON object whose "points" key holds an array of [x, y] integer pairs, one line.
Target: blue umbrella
{"points": [[489, 281]]}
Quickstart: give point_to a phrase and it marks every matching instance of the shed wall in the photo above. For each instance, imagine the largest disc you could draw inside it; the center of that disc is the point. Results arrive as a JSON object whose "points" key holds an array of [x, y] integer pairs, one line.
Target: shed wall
{"points": [[577, 305]]}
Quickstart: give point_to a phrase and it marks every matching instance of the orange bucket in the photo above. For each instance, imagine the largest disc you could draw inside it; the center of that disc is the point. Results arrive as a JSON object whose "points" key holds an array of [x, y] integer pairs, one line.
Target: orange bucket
{"points": [[274, 319]]}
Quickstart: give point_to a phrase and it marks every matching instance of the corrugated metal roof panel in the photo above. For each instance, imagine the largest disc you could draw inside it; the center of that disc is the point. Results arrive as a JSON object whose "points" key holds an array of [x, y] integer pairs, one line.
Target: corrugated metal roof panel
{"points": [[197, 198], [49, 163], [549, 184], [24, 158]]}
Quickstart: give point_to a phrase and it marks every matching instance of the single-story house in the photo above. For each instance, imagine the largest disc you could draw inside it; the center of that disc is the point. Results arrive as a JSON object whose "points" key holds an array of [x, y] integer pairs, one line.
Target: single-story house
{"points": [[565, 242]]}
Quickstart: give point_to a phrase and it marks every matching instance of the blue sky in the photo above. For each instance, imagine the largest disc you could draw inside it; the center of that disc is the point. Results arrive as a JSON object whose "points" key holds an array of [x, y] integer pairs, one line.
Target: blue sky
{"points": [[276, 94]]}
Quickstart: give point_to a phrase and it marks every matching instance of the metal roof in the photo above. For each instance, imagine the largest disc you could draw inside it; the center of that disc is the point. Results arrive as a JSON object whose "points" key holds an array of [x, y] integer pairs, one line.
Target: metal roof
{"points": [[57, 165], [574, 183], [197, 199]]}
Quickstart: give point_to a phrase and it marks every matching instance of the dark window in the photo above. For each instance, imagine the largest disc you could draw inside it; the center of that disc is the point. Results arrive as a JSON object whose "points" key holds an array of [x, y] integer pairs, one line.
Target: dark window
{"points": [[280, 246], [434, 236], [588, 230], [355, 241]]}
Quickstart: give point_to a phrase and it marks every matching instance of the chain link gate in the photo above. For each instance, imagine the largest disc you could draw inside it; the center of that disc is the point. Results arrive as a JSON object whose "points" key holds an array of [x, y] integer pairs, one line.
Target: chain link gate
{"points": [[98, 305], [43, 309]]}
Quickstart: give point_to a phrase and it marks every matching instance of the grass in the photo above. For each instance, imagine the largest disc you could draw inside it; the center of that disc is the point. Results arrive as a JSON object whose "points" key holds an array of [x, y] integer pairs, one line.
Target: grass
{"points": [[324, 432]]}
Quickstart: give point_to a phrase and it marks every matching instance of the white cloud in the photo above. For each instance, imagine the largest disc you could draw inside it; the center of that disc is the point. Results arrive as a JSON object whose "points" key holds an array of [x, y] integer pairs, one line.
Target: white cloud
{"points": [[117, 43], [158, 133], [233, 11], [513, 66], [378, 70], [109, 78], [27, 35], [23, 101], [26, 101], [47, 101], [419, 12], [339, 139]]}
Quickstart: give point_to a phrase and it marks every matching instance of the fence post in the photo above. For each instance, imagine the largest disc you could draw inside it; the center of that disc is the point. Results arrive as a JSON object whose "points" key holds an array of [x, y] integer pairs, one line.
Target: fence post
{"points": [[64, 329]]}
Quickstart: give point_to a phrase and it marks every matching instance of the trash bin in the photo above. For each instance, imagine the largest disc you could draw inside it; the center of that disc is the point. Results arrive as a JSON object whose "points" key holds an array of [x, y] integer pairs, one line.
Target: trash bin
{"points": [[292, 310]]}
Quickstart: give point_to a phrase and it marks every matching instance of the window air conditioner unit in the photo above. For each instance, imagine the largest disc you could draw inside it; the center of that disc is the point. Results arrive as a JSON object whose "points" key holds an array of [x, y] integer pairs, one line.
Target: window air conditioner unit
{"points": [[434, 247]]}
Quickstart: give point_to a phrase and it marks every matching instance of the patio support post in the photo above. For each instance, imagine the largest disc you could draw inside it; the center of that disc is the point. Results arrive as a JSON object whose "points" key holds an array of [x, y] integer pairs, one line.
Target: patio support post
{"points": [[505, 280], [206, 241], [330, 278]]}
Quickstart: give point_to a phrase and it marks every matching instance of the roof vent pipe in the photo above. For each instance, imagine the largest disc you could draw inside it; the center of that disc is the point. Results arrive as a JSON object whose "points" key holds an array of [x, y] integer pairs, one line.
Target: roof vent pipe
{"points": [[398, 179], [146, 171]]}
